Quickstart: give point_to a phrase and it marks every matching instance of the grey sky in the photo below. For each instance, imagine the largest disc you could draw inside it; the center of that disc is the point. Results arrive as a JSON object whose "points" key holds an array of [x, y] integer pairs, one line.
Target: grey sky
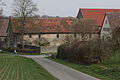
{"points": [[65, 8]]}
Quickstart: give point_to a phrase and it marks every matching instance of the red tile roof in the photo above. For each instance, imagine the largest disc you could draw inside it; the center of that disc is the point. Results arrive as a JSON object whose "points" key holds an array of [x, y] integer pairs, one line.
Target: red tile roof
{"points": [[49, 25], [98, 14], [3, 27], [45, 25]]}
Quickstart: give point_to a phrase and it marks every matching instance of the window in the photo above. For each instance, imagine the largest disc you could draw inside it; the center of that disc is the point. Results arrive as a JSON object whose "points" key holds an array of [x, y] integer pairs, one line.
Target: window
{"points": [[30, 36], [106, 21], [57, 35], [106, 29], [75, 35], [39, 35]]}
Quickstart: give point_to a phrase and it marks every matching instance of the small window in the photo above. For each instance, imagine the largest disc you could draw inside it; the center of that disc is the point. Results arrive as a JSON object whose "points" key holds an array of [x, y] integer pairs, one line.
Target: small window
{"points": [[57, 35], [30, 36], [75, 35], [106, 29], [106, 21], [39, 35]]}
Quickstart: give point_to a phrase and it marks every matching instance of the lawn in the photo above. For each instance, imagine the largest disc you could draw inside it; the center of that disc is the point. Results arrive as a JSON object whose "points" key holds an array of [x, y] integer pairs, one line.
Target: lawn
{"points": [[107, 70], [21, 68]]}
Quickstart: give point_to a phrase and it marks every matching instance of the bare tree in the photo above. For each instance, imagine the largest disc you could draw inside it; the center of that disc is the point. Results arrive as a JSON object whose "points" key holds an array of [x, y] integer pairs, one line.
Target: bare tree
{"points": [[23, 9], [116, 38], [1, 12], [2, 3]]}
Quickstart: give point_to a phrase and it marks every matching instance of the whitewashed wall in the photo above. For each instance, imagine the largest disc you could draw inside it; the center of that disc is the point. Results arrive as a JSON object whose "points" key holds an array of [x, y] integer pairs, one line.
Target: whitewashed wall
{"points": [[52, 38], [105, 34]]}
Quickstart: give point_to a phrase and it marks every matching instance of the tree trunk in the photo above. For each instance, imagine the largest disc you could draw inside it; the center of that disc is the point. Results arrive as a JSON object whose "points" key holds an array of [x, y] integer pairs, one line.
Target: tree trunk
{"points": [[23, 29], [22, 40]]}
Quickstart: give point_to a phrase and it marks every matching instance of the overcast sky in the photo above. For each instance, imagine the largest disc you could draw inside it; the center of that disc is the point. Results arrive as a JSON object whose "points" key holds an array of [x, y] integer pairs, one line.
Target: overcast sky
{"points": [[64, 8]]}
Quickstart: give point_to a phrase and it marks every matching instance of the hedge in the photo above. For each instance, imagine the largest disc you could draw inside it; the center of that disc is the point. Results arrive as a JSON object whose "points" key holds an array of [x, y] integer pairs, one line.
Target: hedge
{"points": [[22, 50], [82, 52]]}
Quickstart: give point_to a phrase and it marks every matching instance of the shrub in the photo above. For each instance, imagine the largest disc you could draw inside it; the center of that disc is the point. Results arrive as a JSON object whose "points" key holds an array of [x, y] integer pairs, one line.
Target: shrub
{"points": [[86, 52], [22, 50], [8, 49], [25, 50]]}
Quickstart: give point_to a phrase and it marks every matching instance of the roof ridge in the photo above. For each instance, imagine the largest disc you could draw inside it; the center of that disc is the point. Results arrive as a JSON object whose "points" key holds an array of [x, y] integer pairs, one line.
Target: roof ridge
{"points": [[112, 12], [99, 8]]}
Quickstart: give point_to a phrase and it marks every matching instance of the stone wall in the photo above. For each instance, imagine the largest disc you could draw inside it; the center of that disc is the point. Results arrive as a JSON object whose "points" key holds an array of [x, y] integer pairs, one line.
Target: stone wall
{"points": [[49, 49], [55, 39]]}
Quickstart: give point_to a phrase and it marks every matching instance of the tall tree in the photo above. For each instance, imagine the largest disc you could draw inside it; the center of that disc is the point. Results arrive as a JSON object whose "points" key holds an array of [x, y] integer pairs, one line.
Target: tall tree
{"points": [[1, 12], [2, 3], [116, 38], [23, 9]]}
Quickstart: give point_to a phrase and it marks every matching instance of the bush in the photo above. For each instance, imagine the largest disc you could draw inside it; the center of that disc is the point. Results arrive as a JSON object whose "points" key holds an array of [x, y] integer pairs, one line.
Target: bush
{"points": [[8, 49], [22, 50], [87, 52], [25, 50]]}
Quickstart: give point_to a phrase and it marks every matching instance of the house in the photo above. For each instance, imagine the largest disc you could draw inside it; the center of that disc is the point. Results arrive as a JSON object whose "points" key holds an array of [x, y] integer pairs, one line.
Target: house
{"points": [[3, 34], [97, 14], [52, 30], [111, 23]]}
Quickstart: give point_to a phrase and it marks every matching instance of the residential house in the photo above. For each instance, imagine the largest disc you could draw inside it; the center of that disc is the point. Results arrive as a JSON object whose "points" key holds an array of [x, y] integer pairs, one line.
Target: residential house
{"points": [[97, 14], [54, 30], [51, 29], [110, 24]]}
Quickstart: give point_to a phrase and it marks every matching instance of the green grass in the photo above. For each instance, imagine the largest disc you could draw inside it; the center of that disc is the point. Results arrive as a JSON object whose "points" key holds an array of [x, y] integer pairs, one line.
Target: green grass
{"points": [[21, 68], [107, 70]]}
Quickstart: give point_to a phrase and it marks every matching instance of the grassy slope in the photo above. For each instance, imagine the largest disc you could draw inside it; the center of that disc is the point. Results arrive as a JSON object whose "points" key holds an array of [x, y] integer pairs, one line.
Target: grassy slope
{"points": [[20, 68], [107, 70]]}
